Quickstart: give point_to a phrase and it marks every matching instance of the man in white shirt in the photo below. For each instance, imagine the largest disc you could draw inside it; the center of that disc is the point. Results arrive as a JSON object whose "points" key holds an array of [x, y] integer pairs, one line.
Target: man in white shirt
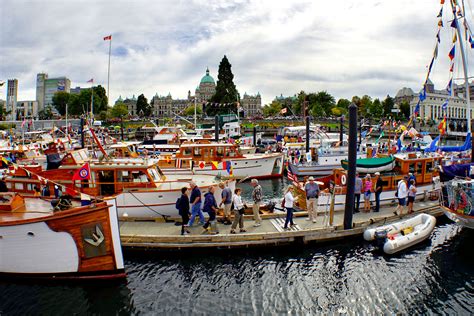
{"points": [[402, 195]]}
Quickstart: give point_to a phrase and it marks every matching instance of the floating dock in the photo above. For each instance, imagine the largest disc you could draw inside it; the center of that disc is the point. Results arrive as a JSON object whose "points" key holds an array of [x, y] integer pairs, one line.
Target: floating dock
{"points": [[167, 236]]}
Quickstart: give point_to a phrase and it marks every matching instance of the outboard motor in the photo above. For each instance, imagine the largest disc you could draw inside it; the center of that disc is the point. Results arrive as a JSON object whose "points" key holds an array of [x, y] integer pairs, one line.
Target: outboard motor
{"points": [[380, 237]]}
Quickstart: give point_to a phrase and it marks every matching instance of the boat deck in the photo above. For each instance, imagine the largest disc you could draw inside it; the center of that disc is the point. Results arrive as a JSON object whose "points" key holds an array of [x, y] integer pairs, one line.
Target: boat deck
{"points": [[34, 208], [167, 236]]}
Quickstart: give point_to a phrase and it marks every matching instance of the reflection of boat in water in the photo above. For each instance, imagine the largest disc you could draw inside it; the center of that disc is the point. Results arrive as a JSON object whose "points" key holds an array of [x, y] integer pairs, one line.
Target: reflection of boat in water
{"points": [[402, 234], [69, 242], [372, 165], [457, 201]]}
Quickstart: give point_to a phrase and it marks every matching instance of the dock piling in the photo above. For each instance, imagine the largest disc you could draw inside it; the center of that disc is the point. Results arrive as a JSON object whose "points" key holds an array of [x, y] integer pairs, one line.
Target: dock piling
{"points": [[216, 127], [307, 134], [351, 170]]}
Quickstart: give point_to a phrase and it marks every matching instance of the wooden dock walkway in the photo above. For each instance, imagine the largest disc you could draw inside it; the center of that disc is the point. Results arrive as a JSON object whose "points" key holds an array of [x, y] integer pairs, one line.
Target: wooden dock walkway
{"points": [[167, 236]]}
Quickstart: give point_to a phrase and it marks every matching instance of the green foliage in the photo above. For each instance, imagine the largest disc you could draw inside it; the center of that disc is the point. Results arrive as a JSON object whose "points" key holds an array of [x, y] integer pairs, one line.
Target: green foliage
{"points": [[46, 113], [405, 109], [226, 92], [272, 109], [60, 101], [189, 111], [81, 103], [119, 110], [143, 108], [388, 105], [103, 115], [376, 109], [3, 112], [343, 104]]}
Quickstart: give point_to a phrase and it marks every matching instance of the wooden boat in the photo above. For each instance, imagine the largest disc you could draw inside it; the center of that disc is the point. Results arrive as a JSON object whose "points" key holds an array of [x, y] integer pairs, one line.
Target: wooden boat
{"points": [[79, 242], [221, 159], [424, 169], [142, 190], [403, 234], [372, 165], [457, 201]]}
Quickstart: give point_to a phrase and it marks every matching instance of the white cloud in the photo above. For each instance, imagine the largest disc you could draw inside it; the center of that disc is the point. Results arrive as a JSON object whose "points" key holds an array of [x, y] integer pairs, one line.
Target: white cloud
{"points": [[344, 47]]}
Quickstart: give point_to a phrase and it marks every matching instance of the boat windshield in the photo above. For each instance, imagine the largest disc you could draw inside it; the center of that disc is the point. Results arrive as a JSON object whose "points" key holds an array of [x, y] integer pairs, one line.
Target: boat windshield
{"points": [[155, 174]]}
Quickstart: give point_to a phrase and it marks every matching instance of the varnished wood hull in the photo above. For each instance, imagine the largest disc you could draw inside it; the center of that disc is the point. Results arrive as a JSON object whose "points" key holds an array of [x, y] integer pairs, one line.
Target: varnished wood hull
{"points": [[82, 243]]}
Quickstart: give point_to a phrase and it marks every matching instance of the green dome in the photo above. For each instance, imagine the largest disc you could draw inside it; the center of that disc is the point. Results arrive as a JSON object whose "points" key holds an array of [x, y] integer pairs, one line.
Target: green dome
{"points": [[207, 78]]}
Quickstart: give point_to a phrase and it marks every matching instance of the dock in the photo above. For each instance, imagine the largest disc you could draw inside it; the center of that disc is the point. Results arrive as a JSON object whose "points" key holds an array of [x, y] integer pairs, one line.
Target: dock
{"points": [[167, 236]]}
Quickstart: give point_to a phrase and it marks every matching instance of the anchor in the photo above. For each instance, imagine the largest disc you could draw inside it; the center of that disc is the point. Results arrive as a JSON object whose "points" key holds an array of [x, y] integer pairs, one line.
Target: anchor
{"points": [[97, 237]]}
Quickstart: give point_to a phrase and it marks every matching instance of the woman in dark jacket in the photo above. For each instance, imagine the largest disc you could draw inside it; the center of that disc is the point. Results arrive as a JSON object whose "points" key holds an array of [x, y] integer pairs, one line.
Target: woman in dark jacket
{"points": [[183, 208], [210, 206]]}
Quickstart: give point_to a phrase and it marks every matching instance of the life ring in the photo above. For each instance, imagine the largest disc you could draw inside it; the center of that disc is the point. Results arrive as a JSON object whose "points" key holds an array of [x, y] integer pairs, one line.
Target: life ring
{"points": [[343, 179]]}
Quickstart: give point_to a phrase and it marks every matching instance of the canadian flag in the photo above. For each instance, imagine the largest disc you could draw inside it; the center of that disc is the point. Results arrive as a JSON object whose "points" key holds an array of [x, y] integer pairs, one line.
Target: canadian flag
{"points": [[283, 111], [108, 38]]}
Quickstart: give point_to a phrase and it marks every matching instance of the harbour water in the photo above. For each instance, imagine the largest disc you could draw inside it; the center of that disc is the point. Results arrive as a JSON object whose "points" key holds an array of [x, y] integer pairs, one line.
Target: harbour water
{"points": [[346, 277]]}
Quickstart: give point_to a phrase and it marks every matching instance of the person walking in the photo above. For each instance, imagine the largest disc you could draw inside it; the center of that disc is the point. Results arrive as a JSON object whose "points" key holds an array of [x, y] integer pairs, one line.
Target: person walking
{"points": [[289, 199], [367, 193], [378, 190], [210, 206], [226, 196], [239, 209], [357, 192], [183, 207], [402, 193], [411, 195], [312, 194], [257, 200], [195, 201]]}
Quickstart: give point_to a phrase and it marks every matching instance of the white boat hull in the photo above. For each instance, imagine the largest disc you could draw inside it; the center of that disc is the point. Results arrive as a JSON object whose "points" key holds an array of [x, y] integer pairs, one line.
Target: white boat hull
{"points": [[422, 224], [460, 219], [161, 202]]}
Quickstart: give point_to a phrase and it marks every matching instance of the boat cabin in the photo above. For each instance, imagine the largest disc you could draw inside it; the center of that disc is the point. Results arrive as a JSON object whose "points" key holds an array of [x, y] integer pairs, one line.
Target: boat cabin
{"points": [[208, 151]]}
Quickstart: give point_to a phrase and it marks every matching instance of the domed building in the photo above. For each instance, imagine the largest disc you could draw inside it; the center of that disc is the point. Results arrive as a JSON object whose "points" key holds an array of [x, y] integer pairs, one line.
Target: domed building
{"points": [[206, 88]]}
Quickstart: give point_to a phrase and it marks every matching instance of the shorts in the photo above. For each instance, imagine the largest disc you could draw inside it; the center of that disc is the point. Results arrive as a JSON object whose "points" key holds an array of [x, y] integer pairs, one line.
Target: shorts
{"points": [[367, 195], [411, 199], [402, 201]]}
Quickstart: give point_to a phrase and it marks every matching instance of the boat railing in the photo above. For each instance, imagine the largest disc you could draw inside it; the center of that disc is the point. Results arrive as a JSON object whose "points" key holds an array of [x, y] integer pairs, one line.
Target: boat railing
{"points": [[459, 195]]}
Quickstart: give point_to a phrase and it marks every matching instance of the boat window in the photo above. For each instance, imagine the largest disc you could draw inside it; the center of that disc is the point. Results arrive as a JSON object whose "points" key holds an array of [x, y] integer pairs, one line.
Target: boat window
{"points": [[419, 168], [154, 174], [231, 152], [18, 186], [139, 177], [411, 168], [211, 152], [123, 176], [429, 166], [197, 152], [220, 151], [187, 151]]}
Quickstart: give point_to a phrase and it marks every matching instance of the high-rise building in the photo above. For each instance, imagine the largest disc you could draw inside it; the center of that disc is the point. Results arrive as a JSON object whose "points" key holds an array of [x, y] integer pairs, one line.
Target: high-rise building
{"points": [[12, 97], [47, 87]]}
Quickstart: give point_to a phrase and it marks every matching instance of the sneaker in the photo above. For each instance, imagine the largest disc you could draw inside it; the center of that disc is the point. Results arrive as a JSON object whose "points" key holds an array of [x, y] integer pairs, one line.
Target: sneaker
{"points": [[308, 219], [285, 228], [232, 231], [314, 221], [185, 233], [243, 230], [257, 225]]}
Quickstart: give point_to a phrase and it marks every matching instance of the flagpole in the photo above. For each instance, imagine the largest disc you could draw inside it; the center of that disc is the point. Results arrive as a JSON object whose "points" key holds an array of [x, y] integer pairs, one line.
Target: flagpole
{"points": [[92, 103], [66, 121], [108, 72]]}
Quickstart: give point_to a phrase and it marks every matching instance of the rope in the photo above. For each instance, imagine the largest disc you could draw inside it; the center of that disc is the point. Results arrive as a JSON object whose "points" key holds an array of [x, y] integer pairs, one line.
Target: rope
{"points": [[165, 217]]}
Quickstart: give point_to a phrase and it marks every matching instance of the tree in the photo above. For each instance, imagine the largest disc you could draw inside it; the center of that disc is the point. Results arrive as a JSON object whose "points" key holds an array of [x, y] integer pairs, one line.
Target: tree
{"points": [[226, 92], [190, 110], [100, 99], [343, 103], [81, 103], [46, 113], [376, 109], [3, 113], [388, 105], [60, 101], [272, 109], [365, 105], [321, 103], [405, 109], [119, 110], [143, 108]]}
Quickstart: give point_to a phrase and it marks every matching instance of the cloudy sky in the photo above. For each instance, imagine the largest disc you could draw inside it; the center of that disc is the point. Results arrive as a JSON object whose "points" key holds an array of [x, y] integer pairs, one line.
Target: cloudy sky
{"points": [[347, 48]]}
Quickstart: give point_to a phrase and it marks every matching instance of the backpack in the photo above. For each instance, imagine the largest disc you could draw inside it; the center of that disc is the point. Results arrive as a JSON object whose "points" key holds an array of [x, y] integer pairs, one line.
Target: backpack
{"points": [[178, 202], [283, 203]]}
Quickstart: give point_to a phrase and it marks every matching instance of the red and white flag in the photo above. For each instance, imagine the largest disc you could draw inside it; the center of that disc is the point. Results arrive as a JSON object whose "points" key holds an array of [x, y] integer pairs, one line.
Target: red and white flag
{"points": [[283, 111], [90, 81], [83, 173], [108, 38]]}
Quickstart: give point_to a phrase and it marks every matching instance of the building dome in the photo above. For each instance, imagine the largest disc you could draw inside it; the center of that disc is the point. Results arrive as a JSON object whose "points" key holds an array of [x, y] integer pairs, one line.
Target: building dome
{"points": [[207, 78]]}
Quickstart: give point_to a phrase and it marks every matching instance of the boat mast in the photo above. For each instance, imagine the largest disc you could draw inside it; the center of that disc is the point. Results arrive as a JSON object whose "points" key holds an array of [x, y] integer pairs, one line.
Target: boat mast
{"points": [[464, 63]]}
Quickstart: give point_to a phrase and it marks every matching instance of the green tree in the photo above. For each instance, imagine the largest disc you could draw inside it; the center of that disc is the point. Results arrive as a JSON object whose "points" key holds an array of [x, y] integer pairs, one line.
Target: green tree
{"points": [[3, 112], [46, 113], [376, 109], [272, 109], [100, 99], [143, 108], [405, 109], [226, 92], [119, 110], [388, 105], [81, 103], [365, 106], [343, 103], [190, 110], [60, 101], [321, 103]]}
